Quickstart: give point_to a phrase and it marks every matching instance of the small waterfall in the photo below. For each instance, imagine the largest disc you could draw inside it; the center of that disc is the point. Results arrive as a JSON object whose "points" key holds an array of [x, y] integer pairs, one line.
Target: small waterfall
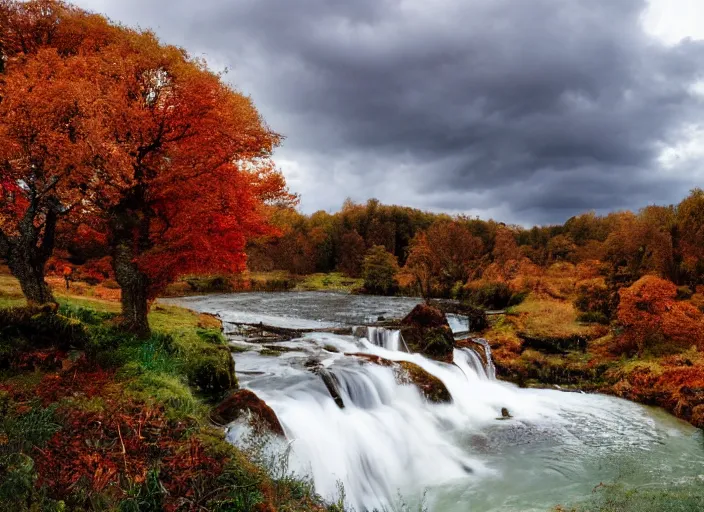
{"points": [[470, 363], [490, 368], [390, 339]]}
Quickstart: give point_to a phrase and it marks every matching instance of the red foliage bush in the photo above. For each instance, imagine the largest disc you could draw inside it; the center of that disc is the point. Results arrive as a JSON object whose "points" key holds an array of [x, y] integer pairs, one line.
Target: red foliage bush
{"points": [[651, 316]]}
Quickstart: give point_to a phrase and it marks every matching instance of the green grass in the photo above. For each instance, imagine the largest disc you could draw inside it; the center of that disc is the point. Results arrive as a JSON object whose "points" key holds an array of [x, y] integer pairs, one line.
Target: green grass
{"points": [[333, 281]]}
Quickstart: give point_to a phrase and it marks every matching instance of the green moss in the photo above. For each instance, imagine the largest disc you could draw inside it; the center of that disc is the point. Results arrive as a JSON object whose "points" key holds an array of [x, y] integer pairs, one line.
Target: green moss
{"points": [[430, 386], [169, 390]]}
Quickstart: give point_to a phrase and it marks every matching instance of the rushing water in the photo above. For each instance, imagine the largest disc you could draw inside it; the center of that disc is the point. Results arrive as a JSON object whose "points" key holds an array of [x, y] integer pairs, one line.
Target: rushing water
{"points": [[388, 440]]}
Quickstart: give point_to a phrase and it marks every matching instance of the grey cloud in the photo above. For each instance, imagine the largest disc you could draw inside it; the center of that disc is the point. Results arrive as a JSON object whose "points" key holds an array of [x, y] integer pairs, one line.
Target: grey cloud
{"points": [[535, 109]]}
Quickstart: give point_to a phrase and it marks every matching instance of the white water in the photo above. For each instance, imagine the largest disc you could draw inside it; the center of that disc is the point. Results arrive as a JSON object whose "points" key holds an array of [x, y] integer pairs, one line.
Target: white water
{"points": [[388, 439]]}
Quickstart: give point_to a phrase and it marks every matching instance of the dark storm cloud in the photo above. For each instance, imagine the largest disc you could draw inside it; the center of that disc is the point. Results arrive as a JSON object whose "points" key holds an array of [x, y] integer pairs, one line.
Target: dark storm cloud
{"points": [[527, 110]]}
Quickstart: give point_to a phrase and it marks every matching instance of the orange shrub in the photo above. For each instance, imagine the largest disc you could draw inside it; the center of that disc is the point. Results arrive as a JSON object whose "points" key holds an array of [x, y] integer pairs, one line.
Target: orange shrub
{"points": [[650, 316]]}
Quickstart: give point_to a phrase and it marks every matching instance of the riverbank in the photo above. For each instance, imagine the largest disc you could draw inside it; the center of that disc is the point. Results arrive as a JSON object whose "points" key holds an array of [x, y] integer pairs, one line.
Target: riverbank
{"points": [[273, 281], [95, 419], [541, 343]]}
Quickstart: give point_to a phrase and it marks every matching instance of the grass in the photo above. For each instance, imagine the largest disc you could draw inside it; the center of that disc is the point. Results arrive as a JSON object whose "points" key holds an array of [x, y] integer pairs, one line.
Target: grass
{"points": [[549, 318], [161, 387], [329, 282]]}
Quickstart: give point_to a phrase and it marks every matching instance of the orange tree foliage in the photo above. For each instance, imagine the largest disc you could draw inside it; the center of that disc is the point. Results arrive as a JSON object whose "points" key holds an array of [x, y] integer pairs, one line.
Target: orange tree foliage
{"points": [[650, 316], [46, 125], [442, 256], [177, 166], [690, 227]]}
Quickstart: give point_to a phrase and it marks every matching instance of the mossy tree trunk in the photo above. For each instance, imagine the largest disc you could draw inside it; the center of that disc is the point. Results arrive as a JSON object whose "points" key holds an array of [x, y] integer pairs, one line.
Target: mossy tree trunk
{"points": [[134, 285], [28, 251]]}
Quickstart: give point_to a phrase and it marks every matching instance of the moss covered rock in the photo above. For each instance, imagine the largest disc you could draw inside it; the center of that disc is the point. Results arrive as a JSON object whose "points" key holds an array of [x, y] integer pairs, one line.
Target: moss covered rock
{"points": [[243, 403], [410, 373], [426, 331], [212, 370], [429, 385]]}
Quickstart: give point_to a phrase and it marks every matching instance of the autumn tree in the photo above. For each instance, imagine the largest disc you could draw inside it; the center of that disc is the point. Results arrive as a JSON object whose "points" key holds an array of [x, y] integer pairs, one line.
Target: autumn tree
{"points": [[690, 231], [421, 265], [650, 316], [640, 244], [46, 121], [352, 249], [185, 163], [505, 246], [380, 270]]}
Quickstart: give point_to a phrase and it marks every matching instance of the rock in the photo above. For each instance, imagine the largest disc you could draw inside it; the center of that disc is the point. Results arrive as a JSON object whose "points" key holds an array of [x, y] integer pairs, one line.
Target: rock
{"points": [[429, 385], [333, 386], [425, 330], [360, 331], [243, 403], [408, 373]]}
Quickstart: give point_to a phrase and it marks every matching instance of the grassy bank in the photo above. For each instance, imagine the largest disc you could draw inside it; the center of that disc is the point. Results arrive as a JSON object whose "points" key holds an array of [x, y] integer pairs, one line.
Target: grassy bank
{"points": [[542, 342], [274, 281], [95, 419]]}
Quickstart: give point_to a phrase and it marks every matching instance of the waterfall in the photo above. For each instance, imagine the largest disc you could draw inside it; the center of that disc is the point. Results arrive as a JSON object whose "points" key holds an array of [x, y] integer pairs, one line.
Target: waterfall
{"points": [[390, 339], [490, 368], [358, 425], [349, 420]]}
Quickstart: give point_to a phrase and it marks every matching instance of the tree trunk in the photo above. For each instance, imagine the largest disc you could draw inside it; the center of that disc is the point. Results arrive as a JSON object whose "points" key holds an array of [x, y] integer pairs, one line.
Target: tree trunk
{"points": [[28, 268], [134, 285], [26, 256]]}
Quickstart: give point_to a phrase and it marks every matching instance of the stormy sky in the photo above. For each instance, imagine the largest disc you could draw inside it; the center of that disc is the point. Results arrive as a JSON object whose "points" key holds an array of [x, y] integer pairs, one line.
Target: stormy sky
{"points": [[526, 111]]}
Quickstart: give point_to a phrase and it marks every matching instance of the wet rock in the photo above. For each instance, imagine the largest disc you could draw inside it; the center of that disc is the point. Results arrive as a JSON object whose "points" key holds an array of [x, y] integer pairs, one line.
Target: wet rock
{"points": [[371, 358], [426, 331], [429, 385], [333, 385], [409, 373], [245, 404], [359, 332], [313, 364]]}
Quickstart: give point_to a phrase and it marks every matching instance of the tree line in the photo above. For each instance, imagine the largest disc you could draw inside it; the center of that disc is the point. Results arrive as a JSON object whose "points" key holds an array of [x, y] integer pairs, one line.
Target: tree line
{"points": [[437, 253]]}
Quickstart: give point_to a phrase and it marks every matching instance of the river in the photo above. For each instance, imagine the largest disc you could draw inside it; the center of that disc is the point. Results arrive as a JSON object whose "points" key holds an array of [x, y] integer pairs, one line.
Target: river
{"points": [[388, 441]]}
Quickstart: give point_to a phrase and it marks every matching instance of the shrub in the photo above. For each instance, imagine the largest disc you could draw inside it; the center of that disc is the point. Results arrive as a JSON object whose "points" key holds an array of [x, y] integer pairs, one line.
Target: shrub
{"points": [[493, 295], [86, 315], [593, 296], [213, 284], [593, 317], [380, 270], [650, 315]]}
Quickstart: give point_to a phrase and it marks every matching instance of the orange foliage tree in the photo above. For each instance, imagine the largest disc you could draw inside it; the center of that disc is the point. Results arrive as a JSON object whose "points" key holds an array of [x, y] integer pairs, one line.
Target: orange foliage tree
{"points": [[650, 315], [443, 256], [46, 123], [178, 166]]}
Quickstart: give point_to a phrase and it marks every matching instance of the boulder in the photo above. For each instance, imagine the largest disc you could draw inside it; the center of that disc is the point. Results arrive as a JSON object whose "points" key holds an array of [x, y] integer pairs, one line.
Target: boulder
{"points": [[244, 403], [426, 331], [429, 385], [409, 373], [333, 386]]}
